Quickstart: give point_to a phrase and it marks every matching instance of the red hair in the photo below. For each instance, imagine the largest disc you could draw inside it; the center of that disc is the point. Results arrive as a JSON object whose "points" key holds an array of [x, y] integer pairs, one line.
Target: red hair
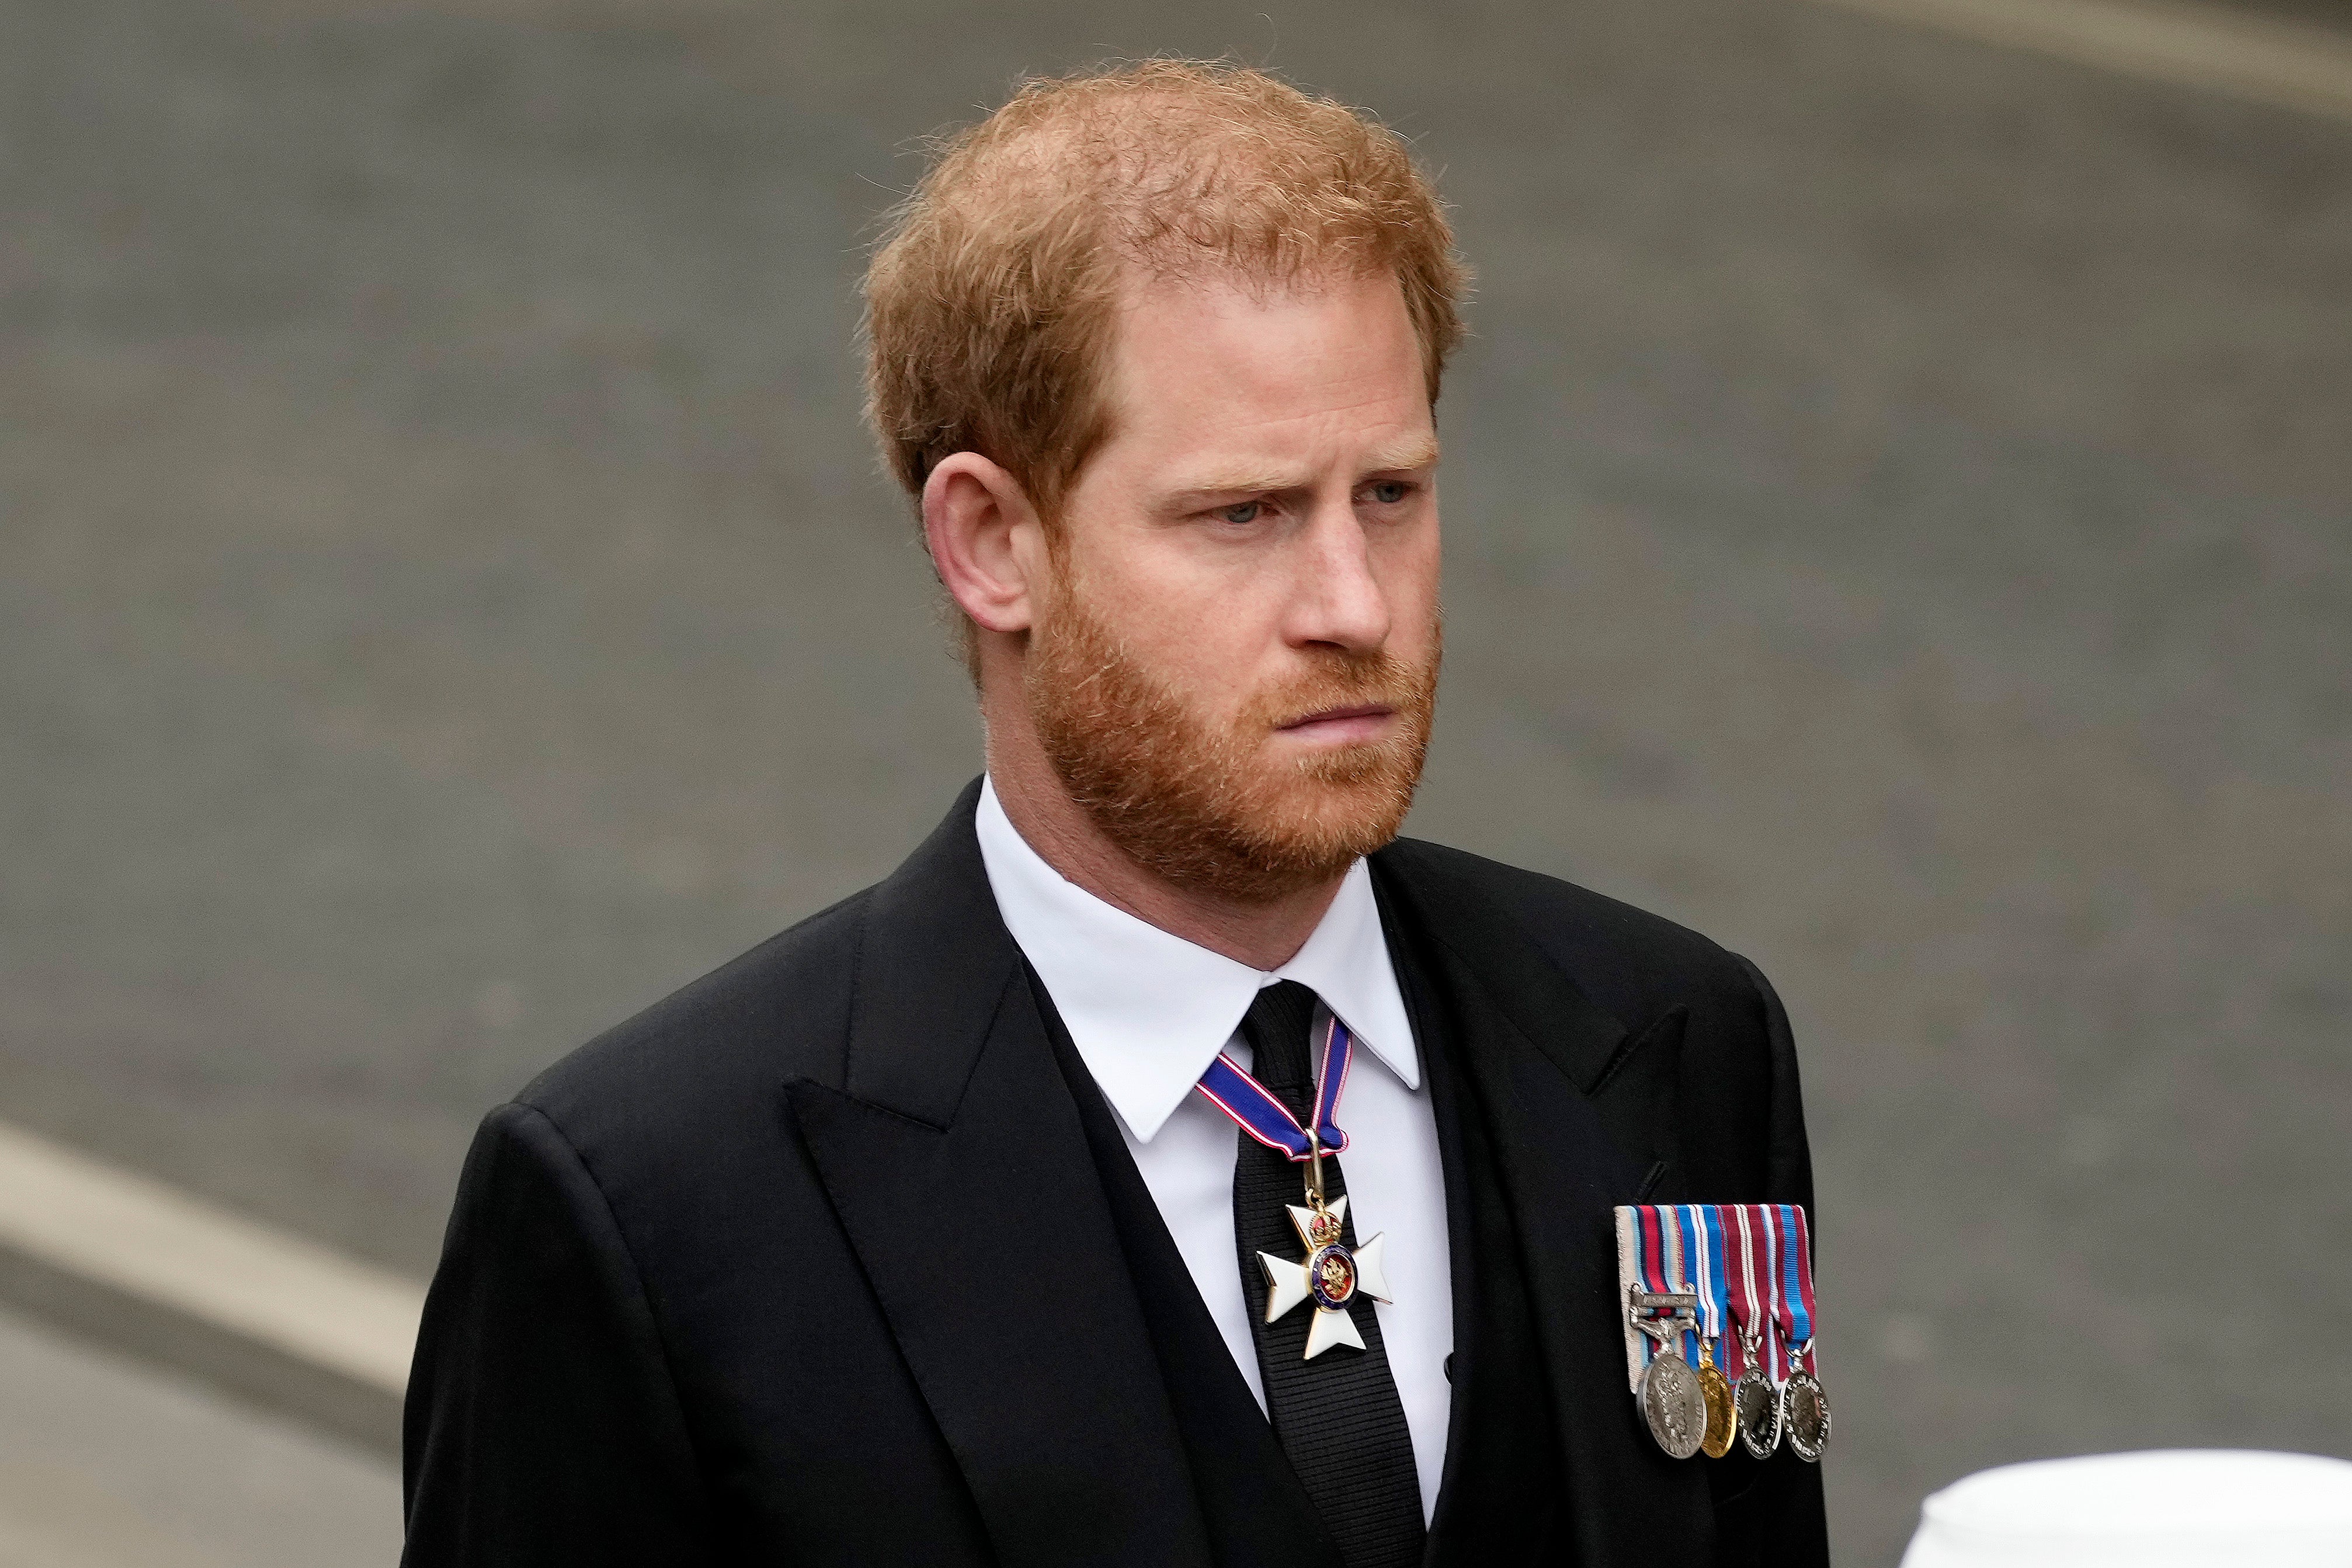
{"points": [[989, 304]]}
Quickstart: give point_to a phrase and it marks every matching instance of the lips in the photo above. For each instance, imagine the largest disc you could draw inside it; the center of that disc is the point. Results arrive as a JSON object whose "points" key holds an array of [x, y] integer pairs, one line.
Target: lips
{"points": [[1338, 714]]}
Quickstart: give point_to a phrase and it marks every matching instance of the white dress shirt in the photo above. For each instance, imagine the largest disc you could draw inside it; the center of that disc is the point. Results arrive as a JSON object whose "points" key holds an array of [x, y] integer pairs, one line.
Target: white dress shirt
{"points": [[1149, 1011]]}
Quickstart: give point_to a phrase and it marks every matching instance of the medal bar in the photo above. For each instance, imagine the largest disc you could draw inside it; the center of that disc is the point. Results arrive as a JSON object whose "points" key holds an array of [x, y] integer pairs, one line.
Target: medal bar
{"points": [[1737, 1281]]}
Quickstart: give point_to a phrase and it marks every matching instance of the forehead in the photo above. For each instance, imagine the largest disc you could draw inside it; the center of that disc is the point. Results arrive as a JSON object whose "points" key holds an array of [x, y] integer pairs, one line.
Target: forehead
{"points": [[1241, 368]]}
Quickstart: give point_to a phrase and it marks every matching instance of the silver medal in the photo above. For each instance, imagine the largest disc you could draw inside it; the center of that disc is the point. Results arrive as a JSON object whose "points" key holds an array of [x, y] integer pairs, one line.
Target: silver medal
{"points": [[1759, 1411], [1805, 1413], [1673, 1404]]}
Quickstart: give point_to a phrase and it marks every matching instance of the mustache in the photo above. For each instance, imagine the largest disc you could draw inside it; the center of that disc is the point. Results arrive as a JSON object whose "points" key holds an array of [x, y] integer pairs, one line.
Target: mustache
{"points": [[1342, 680]]}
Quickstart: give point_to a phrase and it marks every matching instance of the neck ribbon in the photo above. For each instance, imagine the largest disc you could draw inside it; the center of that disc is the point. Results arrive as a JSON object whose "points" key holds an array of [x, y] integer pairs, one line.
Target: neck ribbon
{"points": [[1258, 1112]]}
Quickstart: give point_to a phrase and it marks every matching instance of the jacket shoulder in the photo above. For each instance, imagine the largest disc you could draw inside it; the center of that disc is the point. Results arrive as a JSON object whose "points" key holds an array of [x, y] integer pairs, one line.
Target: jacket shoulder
{"points": [[1697, 1084], [1631, 962], [719, 1047]]}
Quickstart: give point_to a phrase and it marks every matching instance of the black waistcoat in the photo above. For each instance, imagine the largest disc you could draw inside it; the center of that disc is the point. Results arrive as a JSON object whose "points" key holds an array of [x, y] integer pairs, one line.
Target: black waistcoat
{"points": [[1503, 1478]]}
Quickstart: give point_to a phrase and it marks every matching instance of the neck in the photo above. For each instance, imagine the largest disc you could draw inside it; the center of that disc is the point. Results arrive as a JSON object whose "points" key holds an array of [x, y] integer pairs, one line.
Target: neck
{"points": [[1264, 935]]}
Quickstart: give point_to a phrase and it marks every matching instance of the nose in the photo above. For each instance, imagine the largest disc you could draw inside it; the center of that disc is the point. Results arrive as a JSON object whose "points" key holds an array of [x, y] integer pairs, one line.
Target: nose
{"points": [[1336, 600]]}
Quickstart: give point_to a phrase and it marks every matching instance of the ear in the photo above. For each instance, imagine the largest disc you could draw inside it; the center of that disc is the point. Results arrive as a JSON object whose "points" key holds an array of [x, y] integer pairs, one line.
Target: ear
{"points": [[986, 541]]}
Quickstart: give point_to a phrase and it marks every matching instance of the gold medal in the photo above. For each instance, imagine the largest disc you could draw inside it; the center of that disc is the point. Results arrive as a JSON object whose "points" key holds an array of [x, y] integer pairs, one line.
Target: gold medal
{"points": [[1722, 1416]]}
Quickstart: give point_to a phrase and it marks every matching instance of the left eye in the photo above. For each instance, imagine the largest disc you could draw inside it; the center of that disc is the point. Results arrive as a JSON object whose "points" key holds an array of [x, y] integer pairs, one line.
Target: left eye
{"points": [[1391, 492], [1243, 512]]}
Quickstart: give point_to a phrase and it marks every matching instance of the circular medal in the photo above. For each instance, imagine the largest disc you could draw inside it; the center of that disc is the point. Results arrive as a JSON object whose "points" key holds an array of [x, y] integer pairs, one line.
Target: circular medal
{"points": [[1673, 1405], [1805, 1411], [1722, 1421], [1331, 1276], [1759, 1406]]}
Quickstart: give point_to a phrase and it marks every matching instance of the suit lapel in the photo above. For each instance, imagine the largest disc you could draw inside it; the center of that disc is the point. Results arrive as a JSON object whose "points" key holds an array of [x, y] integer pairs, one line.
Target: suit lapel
{"points": [[1529, 1043], [955, 1160]]}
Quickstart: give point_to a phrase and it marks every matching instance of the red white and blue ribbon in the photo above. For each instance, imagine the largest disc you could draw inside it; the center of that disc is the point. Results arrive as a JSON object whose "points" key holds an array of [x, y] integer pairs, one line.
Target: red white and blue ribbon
{"points": [[1694, 1273], [1751, 1307], [1750, 1268], [1794, 1310], [1768, 1271], [1258, 1112], [1702, 1229], [1658, 1253], [1741, 1289], [1750, 1264]]}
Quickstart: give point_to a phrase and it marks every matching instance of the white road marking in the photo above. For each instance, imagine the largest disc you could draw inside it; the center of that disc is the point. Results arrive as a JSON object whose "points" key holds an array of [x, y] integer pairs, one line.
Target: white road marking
{"points": [[2287, 64], [140, 1236]]}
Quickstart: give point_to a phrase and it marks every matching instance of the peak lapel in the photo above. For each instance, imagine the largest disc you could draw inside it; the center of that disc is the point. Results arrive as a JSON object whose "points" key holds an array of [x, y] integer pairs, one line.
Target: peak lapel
{"points": [[1530, 1043], [956, 1165]]}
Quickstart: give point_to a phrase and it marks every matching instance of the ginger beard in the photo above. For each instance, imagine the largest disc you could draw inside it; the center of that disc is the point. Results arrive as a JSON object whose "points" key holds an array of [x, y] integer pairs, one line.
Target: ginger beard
{"points": [[1203, 801]]}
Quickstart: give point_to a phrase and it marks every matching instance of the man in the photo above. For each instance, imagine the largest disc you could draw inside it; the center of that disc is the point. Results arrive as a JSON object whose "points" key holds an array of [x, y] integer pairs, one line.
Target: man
{"points": [[928, 1231]]}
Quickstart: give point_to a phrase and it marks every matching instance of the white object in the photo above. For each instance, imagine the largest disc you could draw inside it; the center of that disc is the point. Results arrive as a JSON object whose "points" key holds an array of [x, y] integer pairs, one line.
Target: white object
{"points": [[2185, 1508], [135, 1233], [1149, 1011]]}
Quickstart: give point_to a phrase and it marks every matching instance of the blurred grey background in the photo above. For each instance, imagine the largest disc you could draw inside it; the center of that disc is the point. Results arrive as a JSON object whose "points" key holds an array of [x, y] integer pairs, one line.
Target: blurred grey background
{"points": [[1900, 523]]}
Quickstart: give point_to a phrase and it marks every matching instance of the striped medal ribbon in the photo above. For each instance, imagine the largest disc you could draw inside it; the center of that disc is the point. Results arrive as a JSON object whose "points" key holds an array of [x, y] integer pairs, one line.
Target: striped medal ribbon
{"points": [[1256, 1111], [1659, 1304]]}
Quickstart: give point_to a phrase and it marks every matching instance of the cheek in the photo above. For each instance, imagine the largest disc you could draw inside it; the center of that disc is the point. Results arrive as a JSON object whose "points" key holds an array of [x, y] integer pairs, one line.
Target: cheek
{"points": [[1200, 629], [1209, 645], [1408, 570]]}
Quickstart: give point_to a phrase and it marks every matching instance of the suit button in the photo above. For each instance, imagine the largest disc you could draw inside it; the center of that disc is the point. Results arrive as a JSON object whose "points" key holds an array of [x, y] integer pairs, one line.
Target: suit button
{"points": [[1449, 1366]]}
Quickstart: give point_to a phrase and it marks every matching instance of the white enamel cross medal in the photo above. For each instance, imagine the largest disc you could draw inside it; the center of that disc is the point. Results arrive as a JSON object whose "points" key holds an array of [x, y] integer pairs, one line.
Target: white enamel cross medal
{"points": [[1334, 1272], [1331, 1275]]}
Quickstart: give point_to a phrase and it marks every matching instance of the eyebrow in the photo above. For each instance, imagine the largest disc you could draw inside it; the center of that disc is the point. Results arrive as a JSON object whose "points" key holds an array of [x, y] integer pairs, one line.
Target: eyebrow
{"points": [[1414, 452]]}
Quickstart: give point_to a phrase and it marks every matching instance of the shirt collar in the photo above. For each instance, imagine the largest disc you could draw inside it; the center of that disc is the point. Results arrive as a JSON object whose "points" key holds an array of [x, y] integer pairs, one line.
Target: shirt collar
{"points": [[1147, 1010]]}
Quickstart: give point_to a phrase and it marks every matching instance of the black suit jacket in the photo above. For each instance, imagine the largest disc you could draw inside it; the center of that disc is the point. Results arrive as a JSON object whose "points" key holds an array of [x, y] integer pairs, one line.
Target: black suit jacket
{"points": [[810, 1262]]}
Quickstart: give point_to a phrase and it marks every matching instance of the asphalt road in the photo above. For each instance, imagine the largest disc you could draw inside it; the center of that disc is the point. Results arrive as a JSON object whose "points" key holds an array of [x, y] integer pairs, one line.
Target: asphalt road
{"points": [[1900, 523], [109, 1465]]}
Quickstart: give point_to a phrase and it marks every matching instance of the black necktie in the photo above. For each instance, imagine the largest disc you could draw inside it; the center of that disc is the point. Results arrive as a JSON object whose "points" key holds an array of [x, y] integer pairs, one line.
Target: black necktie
{"points": [[1338, 1417]]}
